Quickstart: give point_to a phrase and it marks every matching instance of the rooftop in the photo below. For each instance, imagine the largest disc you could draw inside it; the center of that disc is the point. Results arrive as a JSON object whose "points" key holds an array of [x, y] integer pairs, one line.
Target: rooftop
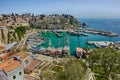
{"points": [[34, 63], [9, 65], [2, 48], [2, 25]]}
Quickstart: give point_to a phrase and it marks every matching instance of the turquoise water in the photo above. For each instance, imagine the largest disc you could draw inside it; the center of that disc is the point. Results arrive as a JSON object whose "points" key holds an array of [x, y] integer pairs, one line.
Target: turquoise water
{"points": [[75, 41]]}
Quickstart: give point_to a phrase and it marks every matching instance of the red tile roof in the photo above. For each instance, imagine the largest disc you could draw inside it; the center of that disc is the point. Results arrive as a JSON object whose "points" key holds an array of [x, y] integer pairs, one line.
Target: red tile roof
{"points": [[28, 77], [2, 48], [9, 65], [34, 63], [4, 56], [2, 25]]}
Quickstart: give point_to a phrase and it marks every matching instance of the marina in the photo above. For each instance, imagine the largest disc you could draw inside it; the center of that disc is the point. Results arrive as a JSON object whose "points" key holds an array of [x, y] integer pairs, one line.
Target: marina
{"points": [[57, 33], [48, 42], [33, 41]]}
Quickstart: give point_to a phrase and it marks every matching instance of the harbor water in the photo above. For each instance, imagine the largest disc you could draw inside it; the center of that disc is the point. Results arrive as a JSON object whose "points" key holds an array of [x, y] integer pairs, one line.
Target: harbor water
{"points": [[75, 41]]}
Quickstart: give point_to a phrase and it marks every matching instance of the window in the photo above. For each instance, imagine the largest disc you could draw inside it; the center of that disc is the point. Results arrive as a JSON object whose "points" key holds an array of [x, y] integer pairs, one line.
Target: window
{"points": [[20, 73], [14, 77]]}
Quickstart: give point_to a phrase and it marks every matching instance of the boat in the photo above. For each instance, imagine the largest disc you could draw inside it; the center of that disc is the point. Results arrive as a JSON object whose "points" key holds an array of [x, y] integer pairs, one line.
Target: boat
{"points": [[84, 34], [77, 33], [33, 41], [74, 33], [81, 53]]}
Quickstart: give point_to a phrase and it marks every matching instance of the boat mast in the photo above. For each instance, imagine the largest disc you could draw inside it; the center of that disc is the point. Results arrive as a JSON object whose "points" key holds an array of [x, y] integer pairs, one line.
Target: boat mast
{"points": [[78, 41], [50, 43], [67, 41]]}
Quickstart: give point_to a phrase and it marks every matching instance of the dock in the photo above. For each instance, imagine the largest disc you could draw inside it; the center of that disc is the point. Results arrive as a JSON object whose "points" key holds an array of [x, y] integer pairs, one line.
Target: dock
{"points": [[100, 43], [93, 31], [57, 34]]}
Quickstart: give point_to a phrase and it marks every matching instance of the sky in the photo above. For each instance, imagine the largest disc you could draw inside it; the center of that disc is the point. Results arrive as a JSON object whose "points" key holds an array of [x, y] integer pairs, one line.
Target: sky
{"points": [[77, 8]]}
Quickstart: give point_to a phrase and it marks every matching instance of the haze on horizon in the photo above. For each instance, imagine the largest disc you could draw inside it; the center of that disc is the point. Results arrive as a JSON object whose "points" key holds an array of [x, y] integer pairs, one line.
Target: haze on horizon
{"points": [[77, 8]]}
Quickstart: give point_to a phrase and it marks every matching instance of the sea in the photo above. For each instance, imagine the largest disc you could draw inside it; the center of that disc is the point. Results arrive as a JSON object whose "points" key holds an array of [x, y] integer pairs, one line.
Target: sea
{"points": [[112, 25]]}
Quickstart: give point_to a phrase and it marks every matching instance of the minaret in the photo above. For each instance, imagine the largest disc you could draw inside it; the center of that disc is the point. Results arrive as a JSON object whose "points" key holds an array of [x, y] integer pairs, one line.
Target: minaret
{"points": [[50, 43], [50, 46], [67, 41], [66, 48]]}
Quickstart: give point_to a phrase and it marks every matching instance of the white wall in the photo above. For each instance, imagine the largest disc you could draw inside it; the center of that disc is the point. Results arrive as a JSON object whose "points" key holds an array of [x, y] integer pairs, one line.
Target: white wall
{"points": [[16, 73], [3, 75]]}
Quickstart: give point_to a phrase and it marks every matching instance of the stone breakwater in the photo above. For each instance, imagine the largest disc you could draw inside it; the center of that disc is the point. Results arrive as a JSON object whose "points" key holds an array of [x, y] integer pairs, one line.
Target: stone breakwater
{"points": [[93, 31]]}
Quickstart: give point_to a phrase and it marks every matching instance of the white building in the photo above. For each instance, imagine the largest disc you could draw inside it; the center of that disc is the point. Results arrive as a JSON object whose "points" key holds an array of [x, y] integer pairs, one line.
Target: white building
{"points": [[12, 70]]}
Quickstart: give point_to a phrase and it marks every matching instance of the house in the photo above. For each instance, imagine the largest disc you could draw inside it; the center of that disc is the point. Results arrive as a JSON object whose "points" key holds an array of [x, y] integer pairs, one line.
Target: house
{"points": [[1, 17], [12, 69], [34, 63], [2, 49], [28, 77], [3, 57]]}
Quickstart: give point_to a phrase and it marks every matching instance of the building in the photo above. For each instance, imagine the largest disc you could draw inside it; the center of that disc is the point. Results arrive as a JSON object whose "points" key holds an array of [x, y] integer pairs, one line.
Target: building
{"points": [[1, 17], [3, 35], [28, 77], [12, 69], [34, 63], [2, 49], [3, 57]]}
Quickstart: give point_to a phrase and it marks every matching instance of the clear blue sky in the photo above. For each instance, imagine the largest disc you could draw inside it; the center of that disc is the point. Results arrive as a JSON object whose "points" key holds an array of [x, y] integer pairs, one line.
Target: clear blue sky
{"points": [[78, 8]]}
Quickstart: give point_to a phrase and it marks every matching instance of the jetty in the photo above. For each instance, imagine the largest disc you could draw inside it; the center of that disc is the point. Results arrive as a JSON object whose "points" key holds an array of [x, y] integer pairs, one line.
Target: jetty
{"points": [[100, 43], [57, 33], [93, 31]]}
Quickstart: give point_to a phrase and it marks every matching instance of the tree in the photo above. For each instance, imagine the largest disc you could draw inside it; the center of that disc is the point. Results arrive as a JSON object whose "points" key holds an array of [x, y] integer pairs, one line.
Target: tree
{"points": [[63, 20], [73, 69], [105, 62], [20, 31], [42, 16]]}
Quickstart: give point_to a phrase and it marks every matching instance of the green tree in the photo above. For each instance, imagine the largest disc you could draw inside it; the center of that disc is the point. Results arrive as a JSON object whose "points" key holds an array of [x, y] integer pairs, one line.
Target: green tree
{"points": [[105, 62], [63, 20], [20, 31], [73, 69]]}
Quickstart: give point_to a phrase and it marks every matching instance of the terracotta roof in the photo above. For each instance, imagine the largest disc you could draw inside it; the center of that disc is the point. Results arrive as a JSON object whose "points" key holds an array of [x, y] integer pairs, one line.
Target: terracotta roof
{"points": [[28, 77], [9, 65], [34, 63], [4, 56], [22, 54], [2, 25], [2, 48]]}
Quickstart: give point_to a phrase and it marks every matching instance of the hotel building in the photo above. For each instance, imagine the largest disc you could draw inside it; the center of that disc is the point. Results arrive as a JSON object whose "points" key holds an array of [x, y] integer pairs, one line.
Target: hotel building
{"points": [[12, 69]]}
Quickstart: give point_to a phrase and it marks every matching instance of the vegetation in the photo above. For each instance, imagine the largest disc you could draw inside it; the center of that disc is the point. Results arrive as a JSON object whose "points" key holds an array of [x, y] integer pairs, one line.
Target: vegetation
{"points": [[72, 69], [20, 31], [16, 34], [105, 63]]}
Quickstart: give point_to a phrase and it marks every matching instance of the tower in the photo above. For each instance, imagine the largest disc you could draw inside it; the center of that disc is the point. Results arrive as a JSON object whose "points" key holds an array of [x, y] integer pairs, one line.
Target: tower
{"points": [[66, 48]]}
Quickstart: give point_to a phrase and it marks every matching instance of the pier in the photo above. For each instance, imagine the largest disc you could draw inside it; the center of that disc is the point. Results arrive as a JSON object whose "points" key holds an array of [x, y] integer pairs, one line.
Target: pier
{"points": [[100, 43], [93, 31], [57, 34]]}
